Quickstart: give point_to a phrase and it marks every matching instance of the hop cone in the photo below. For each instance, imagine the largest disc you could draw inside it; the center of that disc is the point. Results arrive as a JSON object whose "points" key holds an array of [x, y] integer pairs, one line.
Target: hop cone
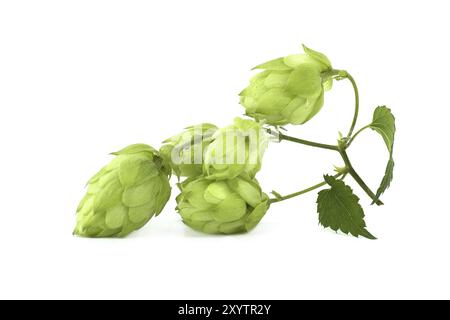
{"points": [[222, 206], [235, 150], [289, 89], [125, 194], [185, 151]]}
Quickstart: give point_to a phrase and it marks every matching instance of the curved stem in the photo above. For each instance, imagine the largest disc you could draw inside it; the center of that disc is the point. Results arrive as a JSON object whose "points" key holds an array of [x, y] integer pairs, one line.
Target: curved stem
{"points": [[356, 134], [299, 193], [355, 116], [302, 141], [358, 179]]}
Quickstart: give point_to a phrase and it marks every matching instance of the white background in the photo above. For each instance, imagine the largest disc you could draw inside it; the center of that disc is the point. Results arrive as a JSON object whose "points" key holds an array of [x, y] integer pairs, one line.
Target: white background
{"points": [[80, 79]]}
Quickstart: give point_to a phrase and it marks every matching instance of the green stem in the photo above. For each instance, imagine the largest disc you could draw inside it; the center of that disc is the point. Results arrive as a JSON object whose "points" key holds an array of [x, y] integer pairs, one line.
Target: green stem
{"points": [[341, 149], [302, 141], [299, 193], [356, 134], [357, 178], [355, 116]]}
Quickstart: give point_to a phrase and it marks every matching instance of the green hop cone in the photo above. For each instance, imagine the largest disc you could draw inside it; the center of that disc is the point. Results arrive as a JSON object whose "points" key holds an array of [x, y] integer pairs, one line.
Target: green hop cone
{"points": [[125, 194], [289, 89], [185, 151], [222, 206], [235, 150]]}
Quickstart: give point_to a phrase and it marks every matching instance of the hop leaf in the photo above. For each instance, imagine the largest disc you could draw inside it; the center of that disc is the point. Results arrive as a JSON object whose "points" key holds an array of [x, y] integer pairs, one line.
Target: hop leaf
{"points": [[383, 122], [339, 209], [387, 179]]}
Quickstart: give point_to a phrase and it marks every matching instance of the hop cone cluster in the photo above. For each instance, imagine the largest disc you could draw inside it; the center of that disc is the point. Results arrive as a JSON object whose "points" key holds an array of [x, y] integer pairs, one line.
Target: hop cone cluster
{"points": [[222, 206], [289, 90], [125, 194], [220, 194]]}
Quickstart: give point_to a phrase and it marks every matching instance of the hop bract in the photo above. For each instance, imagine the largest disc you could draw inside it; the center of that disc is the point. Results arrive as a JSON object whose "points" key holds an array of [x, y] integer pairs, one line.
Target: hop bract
{"points": [[125, 194], [222, 206], [185, 151], [290, 90], [235, 150]]}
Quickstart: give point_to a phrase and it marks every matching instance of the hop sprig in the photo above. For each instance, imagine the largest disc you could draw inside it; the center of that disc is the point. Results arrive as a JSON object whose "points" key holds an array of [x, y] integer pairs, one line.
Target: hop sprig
{"points": [[220, 193]]}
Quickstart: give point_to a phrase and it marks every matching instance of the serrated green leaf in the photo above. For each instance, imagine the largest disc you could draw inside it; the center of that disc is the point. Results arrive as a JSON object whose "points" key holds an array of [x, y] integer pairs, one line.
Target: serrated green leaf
{"points": [[387, 179], [383, 122], [339, 209]]}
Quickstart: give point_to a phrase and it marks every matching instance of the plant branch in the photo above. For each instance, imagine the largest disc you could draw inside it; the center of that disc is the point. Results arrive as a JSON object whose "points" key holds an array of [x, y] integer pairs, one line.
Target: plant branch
{"points": [[282, 137], [299, 193], [356, 134], [358, 179], [342, 74]]}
